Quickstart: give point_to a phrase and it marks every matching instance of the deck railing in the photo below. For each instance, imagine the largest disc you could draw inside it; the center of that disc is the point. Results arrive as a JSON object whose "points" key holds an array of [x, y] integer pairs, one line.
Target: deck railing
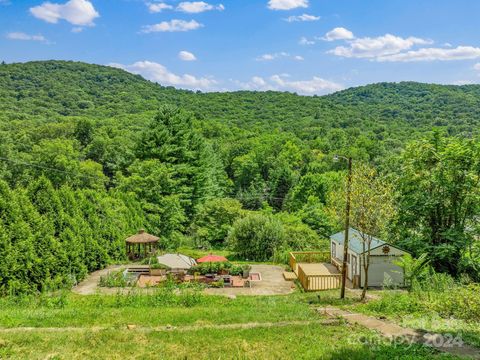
{"points": [[308, 257], [319, 282], [313, 282]]}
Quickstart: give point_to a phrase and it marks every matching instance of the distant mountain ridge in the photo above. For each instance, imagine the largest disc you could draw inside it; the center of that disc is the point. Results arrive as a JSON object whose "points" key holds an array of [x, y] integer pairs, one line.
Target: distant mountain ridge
{"points": [[64, 88]]}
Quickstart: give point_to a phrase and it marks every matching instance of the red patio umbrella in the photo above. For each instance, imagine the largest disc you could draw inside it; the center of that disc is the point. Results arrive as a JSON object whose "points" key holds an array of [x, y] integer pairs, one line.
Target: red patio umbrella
{"points": [[212, 258]]}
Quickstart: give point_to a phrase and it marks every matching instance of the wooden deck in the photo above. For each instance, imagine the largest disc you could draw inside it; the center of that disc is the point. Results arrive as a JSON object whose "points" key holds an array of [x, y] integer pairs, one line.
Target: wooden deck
{"points": [[319, 269], [314, 271], [319, 276]]}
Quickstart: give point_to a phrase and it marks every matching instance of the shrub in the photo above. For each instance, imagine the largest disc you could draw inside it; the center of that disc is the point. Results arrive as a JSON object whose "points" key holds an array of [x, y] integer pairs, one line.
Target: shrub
{"points": [[236, 270], [217, 284], [414, 270], [257, 236], [54, 301], [461, 302]]}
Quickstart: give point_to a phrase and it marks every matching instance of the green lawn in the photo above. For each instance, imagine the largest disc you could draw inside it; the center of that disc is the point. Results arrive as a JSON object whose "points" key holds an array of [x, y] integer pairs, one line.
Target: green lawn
{"points": [[184, 326], [155, 310], [293, 342]]}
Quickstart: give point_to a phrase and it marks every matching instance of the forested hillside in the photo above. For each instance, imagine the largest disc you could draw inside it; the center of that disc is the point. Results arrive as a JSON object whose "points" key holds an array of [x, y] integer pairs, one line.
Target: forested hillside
{"points": [[89, 154]]}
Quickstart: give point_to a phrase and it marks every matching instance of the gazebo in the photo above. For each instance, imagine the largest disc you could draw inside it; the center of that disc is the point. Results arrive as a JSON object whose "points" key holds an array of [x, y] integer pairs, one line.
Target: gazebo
{"points": [[140, 244]]}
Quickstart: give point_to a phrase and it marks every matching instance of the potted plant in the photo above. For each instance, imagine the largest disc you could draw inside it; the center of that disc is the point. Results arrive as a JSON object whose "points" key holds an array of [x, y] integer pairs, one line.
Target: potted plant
{"points": [[158, 269], [224, 268], [246, 271], [236, 270]]}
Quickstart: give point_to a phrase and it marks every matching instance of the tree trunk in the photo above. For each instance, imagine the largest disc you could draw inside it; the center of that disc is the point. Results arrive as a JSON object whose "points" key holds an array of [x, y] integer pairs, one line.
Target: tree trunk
{"points": [[365, 284], [366, 266]]}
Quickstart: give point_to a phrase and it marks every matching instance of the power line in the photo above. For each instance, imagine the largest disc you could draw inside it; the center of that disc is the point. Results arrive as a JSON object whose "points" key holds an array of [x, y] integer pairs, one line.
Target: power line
{"points": [[49, 168], [259, 196]]}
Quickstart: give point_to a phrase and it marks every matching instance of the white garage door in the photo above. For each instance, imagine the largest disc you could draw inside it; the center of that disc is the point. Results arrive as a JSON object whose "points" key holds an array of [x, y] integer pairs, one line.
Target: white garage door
{"points": [[383, 271]]}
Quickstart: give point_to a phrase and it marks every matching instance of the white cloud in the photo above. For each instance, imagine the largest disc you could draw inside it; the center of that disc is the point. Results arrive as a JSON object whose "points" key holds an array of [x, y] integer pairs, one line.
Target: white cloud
{"points": [[391, 48], [279, 55], [476, 67], [158, 7], [377, 47], [282, 82], [434, 54], [339, 33], [304, 41], [266, 57], [26, 37], [186, 56], [172, 26], [194, 7], [158, 73], [316, 85], [304, 17], [77, 30], [287, 4], [76, 12], [270, 57], [258, 81]]}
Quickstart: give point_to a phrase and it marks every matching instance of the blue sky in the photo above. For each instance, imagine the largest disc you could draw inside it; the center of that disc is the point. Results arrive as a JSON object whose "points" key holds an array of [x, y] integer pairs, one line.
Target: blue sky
{"points": [[305, 46]]}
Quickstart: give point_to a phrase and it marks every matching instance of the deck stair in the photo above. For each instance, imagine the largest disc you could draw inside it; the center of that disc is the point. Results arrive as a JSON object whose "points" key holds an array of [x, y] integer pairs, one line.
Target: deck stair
{"points": [[139, 270], [289, 275]]}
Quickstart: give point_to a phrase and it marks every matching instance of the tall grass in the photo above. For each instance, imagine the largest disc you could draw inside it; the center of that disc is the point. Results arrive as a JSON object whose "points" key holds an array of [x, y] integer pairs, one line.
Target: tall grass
{"points": [[117, 279], [436, 293]]}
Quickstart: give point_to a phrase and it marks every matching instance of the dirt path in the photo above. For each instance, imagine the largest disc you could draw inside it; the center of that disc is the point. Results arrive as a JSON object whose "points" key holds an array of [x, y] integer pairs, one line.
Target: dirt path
{"points": [[397, 333], [183, 328]]}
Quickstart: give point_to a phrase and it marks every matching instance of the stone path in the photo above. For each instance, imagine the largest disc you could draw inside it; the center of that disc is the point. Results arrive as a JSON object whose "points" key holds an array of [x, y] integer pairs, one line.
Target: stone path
{"points": [[397, 333]]}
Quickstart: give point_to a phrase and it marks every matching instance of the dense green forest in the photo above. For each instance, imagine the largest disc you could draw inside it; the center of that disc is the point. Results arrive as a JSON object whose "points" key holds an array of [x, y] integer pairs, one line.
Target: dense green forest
{"points": [[89, 154]]}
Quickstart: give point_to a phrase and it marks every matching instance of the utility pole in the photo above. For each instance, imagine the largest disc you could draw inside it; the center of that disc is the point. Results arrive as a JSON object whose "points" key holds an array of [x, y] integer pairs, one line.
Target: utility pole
{"points": [[347, 224]]}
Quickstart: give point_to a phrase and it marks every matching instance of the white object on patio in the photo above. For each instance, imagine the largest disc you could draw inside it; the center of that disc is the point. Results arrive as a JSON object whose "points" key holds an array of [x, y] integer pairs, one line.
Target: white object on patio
{"points": [[177, 261]]}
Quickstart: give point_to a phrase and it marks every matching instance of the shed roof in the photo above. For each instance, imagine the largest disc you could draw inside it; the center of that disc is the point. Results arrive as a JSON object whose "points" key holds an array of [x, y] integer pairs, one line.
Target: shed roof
{"points": [[142, 238], [355, 242], [176, 261]]}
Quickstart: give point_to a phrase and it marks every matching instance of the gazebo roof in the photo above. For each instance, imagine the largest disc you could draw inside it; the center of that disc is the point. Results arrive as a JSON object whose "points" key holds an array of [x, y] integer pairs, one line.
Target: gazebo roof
{"points": [[142, 238]]}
